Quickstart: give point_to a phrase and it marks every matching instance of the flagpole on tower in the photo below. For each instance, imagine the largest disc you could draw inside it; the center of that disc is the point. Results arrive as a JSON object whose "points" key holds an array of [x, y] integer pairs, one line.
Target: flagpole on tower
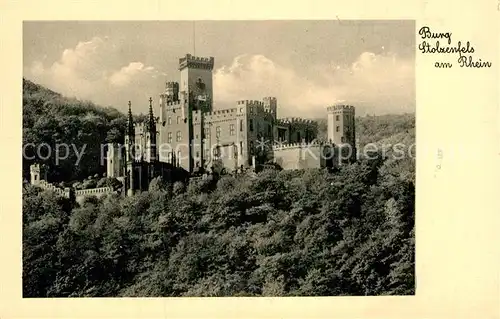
{"points": [[194, 38]]}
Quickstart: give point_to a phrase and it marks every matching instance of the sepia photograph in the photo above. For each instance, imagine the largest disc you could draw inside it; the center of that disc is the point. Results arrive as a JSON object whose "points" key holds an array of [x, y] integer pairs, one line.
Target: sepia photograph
{"points": [[231, 158]]}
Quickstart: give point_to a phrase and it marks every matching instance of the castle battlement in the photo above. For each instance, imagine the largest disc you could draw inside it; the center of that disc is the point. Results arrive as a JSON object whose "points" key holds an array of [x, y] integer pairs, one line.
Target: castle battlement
{"points": [[35, 168], [339, 107], [285, 146], [219, 115], [269, 98], [294, 120], [94, 191], [254, 103], [191, 61]]}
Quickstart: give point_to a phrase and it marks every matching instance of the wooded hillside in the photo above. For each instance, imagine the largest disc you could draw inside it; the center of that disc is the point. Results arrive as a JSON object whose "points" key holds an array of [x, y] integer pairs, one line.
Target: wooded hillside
{"points": [[281, 233]]}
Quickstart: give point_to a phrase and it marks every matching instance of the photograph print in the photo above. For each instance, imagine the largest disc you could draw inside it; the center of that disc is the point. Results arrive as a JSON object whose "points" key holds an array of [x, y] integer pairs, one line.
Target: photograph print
{"points": [[218, 158]]}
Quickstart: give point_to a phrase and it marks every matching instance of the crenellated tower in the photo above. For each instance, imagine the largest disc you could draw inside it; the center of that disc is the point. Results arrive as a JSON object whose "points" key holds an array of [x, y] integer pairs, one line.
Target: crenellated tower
{"points": [[341, 126], [38, 173], [196, 81], [271, 106], [196, 91], [169, 97], [172, 91]]}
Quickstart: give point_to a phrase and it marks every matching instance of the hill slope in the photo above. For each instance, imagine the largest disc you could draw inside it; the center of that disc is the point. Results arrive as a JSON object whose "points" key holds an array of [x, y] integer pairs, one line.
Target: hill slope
{"points": [[51, 119], [288, 233]]}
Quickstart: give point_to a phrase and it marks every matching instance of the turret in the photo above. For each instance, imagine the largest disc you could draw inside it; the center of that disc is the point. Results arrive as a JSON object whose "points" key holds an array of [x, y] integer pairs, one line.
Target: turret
{"points": [[172, 91], [38, 173], [151, 134], [129, 134], [130, 121], [271, 105], [341, 127]]}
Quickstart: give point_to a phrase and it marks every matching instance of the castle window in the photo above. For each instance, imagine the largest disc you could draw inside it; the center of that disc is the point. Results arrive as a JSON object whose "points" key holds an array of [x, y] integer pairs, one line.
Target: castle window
{"points": [[178, 119], [231, 129], [342, 139], [207, 132], [178, 136], [217, 132], [251, 125], [169, 137], [337, 117], [197, 154], [196, 136], [169, 120], [338, 128], [241, 125], [241, 148]]}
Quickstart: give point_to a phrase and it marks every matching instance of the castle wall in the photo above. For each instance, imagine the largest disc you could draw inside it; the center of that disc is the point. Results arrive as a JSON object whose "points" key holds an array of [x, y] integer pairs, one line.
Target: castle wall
{"points": [[81, 194], [297, 156], [260, 132], [173, 138], [241, 132], [295, 130]]}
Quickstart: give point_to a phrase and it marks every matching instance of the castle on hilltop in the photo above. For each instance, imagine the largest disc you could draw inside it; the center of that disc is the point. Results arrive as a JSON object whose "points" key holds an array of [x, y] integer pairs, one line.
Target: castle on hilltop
{"points": [[190, 136], [190, 133]]}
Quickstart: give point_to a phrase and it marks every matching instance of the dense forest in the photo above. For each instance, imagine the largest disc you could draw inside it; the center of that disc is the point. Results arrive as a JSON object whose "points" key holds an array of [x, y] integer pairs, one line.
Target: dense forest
{"points": [[277, 233]]}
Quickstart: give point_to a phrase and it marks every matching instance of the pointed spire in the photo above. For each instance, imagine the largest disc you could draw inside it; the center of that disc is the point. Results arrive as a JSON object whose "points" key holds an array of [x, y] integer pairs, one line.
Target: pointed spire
{"points": [[150, 107], [130, 120], [152, 120]]}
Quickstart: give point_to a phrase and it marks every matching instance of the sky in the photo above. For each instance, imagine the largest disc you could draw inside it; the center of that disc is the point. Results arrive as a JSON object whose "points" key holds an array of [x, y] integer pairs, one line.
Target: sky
{"points": [[308, 65]]}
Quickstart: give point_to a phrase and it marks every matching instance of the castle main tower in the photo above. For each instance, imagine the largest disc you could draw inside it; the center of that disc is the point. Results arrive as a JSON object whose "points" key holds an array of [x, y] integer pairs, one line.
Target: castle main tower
{"points": [[196, 80]]}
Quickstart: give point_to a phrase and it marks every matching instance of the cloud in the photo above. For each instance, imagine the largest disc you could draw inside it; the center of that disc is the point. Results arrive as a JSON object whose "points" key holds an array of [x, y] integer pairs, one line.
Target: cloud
{"points": [[374, 83], [90, 71], [130, 72]]}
